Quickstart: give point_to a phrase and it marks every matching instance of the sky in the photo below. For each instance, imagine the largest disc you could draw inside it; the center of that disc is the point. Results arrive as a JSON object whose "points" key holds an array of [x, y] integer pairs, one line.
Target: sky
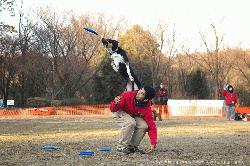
{"points": [[189, 16]]}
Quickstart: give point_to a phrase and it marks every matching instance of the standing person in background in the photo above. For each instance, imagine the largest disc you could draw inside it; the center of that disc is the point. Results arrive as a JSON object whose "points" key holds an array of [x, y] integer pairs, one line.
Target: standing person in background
{"points": [[162, 99], [231, 100]]}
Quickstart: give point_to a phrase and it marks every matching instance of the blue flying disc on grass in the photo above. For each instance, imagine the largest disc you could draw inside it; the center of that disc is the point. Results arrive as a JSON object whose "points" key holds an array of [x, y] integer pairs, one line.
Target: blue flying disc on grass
{"points": [[86, 153], [48, 147], [105, 149]]}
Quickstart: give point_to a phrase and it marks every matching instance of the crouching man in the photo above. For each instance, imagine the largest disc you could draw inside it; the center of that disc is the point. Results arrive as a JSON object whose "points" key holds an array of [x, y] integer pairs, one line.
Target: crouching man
{"points": [[132, 111]]}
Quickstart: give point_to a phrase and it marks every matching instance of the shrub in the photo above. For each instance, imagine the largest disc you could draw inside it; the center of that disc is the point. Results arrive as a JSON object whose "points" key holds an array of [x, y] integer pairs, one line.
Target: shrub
{"points": [[72, 101], [56, 102], [38, 102]]}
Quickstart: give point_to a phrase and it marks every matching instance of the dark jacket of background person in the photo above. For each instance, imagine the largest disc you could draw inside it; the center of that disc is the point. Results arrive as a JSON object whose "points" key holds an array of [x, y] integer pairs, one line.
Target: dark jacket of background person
{"points": [[162, 96]]}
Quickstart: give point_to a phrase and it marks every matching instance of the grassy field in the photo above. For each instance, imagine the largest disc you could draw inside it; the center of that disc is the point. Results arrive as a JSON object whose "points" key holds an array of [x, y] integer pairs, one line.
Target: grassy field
{"points": [[181, 142]]}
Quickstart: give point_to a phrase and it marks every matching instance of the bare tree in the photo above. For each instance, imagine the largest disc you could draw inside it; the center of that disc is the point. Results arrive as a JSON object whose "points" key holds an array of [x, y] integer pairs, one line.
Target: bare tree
{"points": [[7, 50], [8, 70], [74, 52], [214, 61], [163, 61], [242, 64], [25, 37]]}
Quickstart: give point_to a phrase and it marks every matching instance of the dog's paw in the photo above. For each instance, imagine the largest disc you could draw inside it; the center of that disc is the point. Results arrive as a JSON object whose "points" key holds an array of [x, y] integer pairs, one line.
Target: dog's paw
{"points": [[114, 67]]}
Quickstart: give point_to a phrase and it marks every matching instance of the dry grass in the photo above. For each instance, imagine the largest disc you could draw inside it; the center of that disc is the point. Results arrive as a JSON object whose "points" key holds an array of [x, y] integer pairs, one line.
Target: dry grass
{"points": [[194, 141], [208, 129]]}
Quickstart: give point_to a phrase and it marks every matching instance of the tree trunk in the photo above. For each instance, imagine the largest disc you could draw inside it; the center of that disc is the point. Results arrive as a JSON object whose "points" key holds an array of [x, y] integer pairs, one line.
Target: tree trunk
{"points": [[6, 93], [22, 90]]}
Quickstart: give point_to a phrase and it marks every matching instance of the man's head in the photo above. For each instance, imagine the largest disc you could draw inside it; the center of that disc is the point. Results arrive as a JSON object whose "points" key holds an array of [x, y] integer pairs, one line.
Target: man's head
{"points": [[146, 93], [110, 44], [161, 85], [230, 89]]}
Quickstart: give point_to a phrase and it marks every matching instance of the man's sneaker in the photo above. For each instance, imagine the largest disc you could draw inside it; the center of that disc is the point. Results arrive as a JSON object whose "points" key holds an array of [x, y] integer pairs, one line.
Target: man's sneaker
{"points": [[136, 149], [126, 150], [120, 148]]}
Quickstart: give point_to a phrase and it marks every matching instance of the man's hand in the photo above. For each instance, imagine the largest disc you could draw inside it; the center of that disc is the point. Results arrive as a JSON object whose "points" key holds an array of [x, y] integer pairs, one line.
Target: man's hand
{"points": [[117, 99], [152, 148]]}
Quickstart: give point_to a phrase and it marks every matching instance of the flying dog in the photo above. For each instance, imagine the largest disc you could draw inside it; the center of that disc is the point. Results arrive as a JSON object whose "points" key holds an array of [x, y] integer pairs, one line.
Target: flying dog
{"points": [[120, 63]]}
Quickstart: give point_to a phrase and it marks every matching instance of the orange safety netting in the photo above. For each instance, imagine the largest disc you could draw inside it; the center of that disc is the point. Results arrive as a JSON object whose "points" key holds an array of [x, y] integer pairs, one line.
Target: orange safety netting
{"points": [[101, 109], [86, 110], [243, 110]]}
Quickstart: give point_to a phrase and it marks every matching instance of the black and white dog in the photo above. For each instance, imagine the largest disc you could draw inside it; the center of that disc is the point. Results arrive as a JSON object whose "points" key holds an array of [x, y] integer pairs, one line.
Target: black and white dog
{"points": [[120, 63]]}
